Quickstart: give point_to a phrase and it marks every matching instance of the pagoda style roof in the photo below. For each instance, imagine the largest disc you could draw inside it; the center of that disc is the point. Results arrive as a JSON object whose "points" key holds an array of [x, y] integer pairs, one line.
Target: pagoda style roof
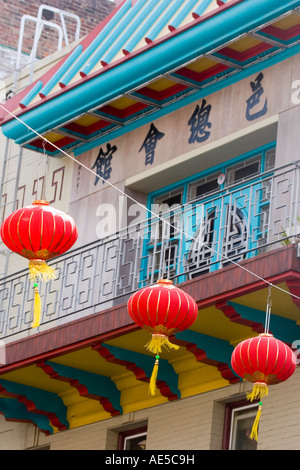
{"points": [[145, 60]]}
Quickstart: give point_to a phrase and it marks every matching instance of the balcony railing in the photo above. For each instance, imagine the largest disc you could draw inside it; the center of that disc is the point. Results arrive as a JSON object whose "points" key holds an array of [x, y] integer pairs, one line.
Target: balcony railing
{"points": [[230, 225]]}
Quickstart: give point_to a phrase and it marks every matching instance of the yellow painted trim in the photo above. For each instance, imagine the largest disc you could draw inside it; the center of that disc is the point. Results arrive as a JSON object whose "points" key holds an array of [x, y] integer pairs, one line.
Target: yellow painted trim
{"points": [[287, 22], [201, 65], [54, 137], [122, 103], [161, 85], [86, 120], [244, 44]]}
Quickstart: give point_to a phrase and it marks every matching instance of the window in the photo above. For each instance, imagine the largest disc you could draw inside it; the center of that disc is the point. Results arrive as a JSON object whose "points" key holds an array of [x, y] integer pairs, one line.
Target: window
{"points": [[244, 170], [163, 236], [133, 439], [203, 186], [209, 221], [166, 206], [239, 419]]}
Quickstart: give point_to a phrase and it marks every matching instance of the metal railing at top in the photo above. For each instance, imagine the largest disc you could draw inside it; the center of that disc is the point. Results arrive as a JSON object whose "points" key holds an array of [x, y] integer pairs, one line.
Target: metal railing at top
{"points": [[204, 235]]}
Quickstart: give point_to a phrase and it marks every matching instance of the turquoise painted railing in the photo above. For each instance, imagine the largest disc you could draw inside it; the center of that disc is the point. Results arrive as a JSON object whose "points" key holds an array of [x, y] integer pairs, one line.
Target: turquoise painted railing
{"points": [[206, 234]]}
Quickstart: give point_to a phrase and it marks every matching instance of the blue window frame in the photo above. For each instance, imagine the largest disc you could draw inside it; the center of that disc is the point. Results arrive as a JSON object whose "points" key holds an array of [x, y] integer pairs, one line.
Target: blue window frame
{"points": [[209, 220]]}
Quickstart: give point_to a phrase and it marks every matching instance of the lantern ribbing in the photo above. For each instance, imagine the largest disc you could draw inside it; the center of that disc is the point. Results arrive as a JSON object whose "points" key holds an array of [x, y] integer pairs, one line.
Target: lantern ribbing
{"points": [[263, 361], [39, 233], [162, 309]]}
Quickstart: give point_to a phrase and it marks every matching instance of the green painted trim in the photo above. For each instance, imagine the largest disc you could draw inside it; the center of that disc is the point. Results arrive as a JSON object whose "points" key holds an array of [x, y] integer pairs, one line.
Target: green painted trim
{"points": [[97, 385], [221, 167], [283, 329], [166, 372], [216, 349], [43, 400], [12, 409]]}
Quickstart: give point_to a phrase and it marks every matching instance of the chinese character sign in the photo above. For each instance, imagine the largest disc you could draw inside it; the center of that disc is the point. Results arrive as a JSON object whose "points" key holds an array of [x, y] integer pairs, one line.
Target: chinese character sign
{"points": [[199, 123], [150, 143], [254, 100], [103, 163]]}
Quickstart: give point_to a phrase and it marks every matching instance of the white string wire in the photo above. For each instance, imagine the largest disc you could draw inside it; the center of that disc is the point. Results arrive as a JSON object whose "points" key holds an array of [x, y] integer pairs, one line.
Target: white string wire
{"points": [[268, 311], [146, 208]]}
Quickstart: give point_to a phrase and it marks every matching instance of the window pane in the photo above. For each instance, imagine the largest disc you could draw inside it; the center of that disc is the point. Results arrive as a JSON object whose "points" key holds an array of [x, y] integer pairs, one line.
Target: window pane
{"points": [[246, 171], [243, 170], [203, 186], [166, 201], [243, 420], [270, 159], [135, 442]]}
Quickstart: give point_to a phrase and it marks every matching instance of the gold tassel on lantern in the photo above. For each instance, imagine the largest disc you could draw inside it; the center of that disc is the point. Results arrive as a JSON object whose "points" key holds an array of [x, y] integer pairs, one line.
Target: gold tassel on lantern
{"points": [[39, 268], [259, 391], [155, 345], [37, 307], [158, 341], [254, 432], [152, 384]]}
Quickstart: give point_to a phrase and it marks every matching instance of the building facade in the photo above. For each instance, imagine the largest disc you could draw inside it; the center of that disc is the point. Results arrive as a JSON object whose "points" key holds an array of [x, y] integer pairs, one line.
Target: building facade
{"points": [[170, 134]]}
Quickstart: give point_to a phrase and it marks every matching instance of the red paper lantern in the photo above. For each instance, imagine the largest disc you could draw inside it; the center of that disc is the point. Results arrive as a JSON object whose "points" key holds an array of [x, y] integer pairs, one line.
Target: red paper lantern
{"points": [[263, 360], [39, 232], [162, 309]]}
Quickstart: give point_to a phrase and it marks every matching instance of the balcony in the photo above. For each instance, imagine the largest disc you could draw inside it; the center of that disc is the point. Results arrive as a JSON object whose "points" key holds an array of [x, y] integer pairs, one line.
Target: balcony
{"points": [[226, 227]]}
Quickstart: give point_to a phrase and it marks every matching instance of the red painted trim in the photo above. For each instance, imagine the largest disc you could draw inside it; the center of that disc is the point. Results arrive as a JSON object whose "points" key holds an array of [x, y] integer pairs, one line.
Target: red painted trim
{"points": [[246, 55], [277, 266], [12, 420], [294, 288], [129, 432], [201, 76], [235, 317], [74, 127], [284, 35], [40, 143], [83, 391], [161, 95], [138, 372], [201, 356], [123, 113], [227, 419], [253, 287], [31, 407], [47, 348]]}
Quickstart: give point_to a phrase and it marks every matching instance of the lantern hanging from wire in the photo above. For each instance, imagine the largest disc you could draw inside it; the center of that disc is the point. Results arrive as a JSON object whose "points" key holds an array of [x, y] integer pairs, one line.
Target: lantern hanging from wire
{"points": [[162, 309], [39, 233], [263, 361]]}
